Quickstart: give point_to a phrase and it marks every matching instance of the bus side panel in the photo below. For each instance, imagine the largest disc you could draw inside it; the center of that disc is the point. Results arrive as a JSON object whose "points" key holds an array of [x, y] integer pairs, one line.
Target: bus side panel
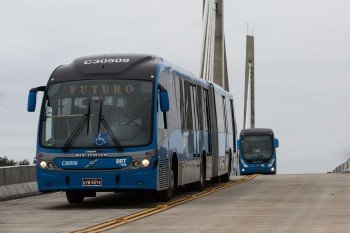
{"points": [[204, 151], [223, 140], [178, 143], [223, 159], [231, 149], [182, 143]]}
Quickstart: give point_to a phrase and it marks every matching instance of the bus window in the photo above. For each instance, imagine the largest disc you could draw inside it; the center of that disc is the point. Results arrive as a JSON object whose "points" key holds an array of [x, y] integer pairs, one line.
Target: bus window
{"points": [[64, 106], [161, 124], [182, 104], [200, 107], [233, 126], [177, 101], [229, 117], [188, 107], [225, 114], [206, 113], [219, 113], [194, 107], [48, 124]]}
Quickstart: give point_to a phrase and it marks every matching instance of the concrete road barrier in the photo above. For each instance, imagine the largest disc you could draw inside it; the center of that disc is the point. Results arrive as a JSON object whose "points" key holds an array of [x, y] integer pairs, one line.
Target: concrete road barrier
{"points": [[343, 168], [17, 181]]}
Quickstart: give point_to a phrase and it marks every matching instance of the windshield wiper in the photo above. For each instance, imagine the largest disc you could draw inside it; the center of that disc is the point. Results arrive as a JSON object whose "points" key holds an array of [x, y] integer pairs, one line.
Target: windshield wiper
{"points": [[84, 120], [101, 119]]}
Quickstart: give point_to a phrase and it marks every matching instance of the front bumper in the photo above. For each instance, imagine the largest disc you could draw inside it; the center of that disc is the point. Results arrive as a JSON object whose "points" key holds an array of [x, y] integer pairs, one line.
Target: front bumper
{"points": [[133, 179], [257, 169]]}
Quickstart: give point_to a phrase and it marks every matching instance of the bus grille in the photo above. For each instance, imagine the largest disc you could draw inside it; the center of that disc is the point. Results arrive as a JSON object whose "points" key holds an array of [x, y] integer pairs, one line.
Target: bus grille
{"points": [[163, 174]]}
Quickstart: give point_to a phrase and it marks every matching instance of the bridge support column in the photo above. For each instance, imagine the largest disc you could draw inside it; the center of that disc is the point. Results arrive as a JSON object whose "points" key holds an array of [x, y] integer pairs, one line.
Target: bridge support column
{"points": [[249, 104], [213, 66]]}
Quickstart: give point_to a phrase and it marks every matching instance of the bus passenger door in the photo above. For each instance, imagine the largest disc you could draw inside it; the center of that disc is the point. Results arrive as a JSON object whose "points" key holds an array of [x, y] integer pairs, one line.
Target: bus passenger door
{"points": [[227, 137], [207, 129], [213, 132]]}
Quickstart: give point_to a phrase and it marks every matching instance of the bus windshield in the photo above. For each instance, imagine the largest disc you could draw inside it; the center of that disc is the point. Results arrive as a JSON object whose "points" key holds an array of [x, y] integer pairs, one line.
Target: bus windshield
{"points": [[257, 149], [125, 105]]}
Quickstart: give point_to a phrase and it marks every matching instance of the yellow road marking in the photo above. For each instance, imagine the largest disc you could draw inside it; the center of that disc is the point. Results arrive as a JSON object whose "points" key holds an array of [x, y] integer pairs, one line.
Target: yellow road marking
{"points": [[159, 208]]}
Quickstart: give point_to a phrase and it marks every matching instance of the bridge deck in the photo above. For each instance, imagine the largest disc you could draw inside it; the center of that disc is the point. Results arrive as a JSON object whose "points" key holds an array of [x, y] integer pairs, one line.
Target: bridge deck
{"points": [[282, 203]]}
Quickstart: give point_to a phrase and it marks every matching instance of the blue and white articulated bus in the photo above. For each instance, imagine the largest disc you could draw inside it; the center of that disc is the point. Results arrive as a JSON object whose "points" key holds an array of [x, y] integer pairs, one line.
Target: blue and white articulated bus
{"points": [[131, 122], [257, 151]]}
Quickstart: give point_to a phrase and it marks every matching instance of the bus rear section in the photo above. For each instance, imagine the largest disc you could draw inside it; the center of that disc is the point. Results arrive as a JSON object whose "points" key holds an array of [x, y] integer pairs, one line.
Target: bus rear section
{"points": [[257, 151]]}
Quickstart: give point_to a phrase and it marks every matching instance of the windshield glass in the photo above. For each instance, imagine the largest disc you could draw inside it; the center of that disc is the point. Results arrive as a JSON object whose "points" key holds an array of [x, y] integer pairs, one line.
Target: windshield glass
{"points": [[126, 107], [257, 149]]}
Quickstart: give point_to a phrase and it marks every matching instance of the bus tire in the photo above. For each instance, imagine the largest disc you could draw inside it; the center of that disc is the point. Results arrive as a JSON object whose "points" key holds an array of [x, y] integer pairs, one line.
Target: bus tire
{"points": [[166, 194], [226, 177], [75, 196], [215, 179], [199, 185]]}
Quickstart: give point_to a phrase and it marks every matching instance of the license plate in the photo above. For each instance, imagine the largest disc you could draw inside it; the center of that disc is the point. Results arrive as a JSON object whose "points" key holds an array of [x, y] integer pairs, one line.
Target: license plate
{"points": [[92, 182]]}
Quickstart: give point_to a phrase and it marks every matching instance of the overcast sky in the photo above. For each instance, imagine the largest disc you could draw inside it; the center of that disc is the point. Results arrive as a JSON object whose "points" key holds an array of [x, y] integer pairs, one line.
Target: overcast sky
{"points": [[301, 58]]}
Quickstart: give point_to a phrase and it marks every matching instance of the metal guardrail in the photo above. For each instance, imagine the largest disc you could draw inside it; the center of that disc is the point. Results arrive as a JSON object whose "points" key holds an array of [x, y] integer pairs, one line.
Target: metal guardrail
{"points": [[17, 174], [343, 168]]}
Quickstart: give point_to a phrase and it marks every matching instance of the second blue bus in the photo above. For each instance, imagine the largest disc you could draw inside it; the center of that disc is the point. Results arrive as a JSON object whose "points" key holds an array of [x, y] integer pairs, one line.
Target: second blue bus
{"points": [[257, 151]]}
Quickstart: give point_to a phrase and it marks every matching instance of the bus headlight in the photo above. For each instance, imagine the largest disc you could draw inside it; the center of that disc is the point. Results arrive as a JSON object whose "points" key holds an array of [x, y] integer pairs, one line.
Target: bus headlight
{"points": [[243, 163], [272, 169], [145, 162], [43, 164]]}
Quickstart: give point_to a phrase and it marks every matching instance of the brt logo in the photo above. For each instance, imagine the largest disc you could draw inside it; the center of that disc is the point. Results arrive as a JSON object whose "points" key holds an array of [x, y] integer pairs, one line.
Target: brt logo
{"points": [[121, 162]]}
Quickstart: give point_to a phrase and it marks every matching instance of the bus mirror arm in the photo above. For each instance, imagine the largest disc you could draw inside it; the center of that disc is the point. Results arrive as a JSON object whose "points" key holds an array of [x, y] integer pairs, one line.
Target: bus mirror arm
{"points": [[32, 98], [163, 98]]}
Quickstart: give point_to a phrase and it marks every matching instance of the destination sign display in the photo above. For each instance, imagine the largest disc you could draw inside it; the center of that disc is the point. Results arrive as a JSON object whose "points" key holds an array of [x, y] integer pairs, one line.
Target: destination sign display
{"points": [[101, 89]]}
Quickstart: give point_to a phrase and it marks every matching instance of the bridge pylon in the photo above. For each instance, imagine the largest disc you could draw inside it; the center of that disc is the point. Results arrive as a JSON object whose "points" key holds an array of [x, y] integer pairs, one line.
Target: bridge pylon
{"points": [[249, 102], [213, 64]]}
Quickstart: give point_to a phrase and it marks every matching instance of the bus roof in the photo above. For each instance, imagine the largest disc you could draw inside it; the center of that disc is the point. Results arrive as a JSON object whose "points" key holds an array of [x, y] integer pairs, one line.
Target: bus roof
{"points": [[256, 131], [126, 66]]}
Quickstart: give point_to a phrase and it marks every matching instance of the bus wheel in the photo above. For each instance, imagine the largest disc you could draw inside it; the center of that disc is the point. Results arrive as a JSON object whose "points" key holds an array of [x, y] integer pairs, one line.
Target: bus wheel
{"points": [[226, 178], [75, 197], [166, 194], [215, 179], [199, 185]]}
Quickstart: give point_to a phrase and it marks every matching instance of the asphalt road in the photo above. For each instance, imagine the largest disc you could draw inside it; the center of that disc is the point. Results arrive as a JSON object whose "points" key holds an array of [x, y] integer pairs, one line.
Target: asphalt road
{"points": [[281, 203]]}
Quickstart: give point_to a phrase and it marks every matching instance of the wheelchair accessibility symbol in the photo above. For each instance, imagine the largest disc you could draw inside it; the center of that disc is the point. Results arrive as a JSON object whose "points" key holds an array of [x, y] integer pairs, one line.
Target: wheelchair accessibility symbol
{"points": [[101, 139]]}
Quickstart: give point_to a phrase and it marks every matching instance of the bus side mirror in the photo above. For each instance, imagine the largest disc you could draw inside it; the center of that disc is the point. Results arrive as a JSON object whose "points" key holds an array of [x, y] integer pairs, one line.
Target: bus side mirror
{"points": [[31, 101], [164, 99], [275, 143], [32, 98], [238, 144]]}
